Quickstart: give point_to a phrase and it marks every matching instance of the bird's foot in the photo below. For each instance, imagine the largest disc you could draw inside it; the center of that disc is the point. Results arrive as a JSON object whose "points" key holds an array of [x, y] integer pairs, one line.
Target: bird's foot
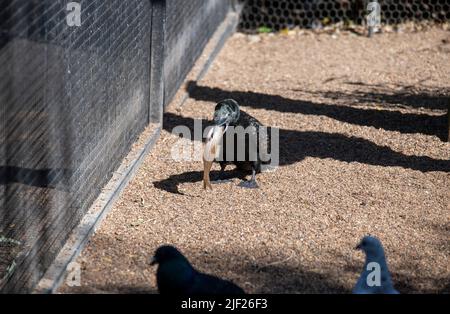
{"points": [[249, 184]]}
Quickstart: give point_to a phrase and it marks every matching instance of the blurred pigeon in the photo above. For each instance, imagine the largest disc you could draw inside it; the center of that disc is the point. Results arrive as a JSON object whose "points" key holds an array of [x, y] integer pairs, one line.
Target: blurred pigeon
{"points": [[176, 276], [375, 277]]}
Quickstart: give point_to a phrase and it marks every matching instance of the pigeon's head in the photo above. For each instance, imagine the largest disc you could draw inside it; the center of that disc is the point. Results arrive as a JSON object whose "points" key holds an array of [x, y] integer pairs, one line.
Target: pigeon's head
{"points": [[226, 112], [371, 246], [166, 253]]}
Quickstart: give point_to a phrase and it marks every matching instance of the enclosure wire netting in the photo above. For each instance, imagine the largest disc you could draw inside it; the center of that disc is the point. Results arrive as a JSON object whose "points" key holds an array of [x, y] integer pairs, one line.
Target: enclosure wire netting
{"points": [[190, 24], [274, 15], [73, 101]]}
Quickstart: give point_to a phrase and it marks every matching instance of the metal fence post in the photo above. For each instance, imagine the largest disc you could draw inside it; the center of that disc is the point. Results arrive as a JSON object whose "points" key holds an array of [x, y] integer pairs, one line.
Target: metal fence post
{"points": [[158, 31]]}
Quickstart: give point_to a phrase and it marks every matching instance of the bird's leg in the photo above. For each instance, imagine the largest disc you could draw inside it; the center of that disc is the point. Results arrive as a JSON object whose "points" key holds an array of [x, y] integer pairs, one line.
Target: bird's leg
{"points": [[252, 183], [221, 177]]}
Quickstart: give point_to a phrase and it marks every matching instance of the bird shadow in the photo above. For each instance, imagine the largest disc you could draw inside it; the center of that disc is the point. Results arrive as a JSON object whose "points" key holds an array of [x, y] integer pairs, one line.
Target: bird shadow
{"points": [[277, 279], [384, 117], [171, 183], [294, 146], [262, 275]]}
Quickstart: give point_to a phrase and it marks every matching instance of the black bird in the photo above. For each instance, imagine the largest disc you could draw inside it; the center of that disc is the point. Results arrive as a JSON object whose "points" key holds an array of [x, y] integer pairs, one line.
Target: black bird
{"points": [[176, 276], [250, 143]]}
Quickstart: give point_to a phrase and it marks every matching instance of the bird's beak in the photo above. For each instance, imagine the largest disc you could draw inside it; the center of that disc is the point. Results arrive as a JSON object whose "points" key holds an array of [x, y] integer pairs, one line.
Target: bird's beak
{"points": [[358, 247]]}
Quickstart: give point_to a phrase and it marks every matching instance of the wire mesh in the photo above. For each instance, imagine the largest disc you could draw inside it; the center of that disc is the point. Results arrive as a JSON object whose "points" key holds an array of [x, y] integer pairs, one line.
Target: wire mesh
{"points": [[280, 14], [73, 100]]}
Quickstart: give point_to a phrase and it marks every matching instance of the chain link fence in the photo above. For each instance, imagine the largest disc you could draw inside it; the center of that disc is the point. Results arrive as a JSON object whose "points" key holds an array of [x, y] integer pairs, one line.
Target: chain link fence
{"points": [[274, 15], [75, 93]]}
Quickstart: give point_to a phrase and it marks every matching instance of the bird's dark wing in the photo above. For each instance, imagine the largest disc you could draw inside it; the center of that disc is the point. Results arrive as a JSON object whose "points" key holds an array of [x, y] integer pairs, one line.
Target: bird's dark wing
{"points": [[246, 120], [264, 147], [262, 133]]}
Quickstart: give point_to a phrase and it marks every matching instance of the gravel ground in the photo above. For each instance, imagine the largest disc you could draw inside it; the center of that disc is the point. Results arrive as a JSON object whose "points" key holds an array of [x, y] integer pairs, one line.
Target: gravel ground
{"points": [[362, 123]]}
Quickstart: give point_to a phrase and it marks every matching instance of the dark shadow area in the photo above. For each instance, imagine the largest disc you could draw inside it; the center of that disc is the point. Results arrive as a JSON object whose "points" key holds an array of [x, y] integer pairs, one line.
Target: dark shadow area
{"points": [[297, 145], [446, 288], [171, 120], [405, 284], [171, 183], [281, 279], [34, 177], [391, 120], [262, 277], [114, 289], [289, 279], [280, 272], [410, 284], [405, 96]]}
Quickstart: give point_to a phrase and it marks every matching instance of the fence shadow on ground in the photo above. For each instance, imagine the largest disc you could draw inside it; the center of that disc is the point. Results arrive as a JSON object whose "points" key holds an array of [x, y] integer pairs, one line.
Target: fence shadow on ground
{"points": [[297, 145], [403, 96], [391, 120]]}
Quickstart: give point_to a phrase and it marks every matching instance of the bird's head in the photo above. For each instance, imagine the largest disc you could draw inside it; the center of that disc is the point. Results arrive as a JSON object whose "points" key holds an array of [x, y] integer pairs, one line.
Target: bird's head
{"points": [[371, 246], [226, 112], [166, 253]]}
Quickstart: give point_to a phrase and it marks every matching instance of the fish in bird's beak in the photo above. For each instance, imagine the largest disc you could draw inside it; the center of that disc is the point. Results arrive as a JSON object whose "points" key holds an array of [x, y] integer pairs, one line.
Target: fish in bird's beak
{"points": [[210, 152]]}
